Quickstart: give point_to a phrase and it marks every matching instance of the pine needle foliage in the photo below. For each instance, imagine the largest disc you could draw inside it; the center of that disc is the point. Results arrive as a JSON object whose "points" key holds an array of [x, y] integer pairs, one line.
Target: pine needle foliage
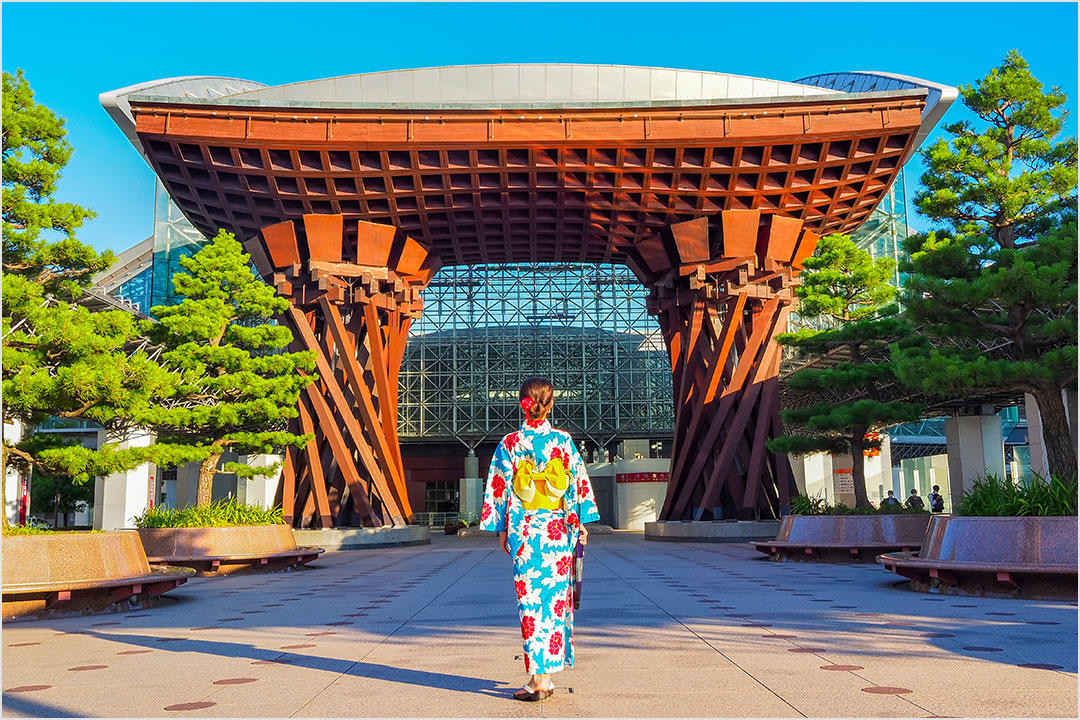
{"points": [[993, 288], [843, 284], [59, 359], [238, 385]]}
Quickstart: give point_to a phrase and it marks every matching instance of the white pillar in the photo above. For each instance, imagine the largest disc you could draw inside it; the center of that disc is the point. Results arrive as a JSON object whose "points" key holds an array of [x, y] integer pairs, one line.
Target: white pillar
{"points": [[12, 479], [843, 485], [975, 449], [260, 490], [120, 497], [1036, 446], [798, 470], [818, 476]]}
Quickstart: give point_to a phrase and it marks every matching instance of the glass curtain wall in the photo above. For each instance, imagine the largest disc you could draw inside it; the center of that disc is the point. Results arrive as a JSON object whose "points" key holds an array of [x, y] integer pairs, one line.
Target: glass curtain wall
{"points": [[487, 328]]}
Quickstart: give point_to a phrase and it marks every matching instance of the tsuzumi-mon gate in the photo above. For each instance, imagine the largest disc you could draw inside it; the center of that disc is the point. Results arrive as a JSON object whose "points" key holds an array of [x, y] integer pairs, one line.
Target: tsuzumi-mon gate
{"points": [[350, 193]]}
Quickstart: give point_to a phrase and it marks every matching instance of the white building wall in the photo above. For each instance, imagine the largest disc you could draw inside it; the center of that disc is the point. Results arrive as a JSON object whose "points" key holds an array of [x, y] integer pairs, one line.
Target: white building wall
{"points": [[12, 481], [120, 497]]}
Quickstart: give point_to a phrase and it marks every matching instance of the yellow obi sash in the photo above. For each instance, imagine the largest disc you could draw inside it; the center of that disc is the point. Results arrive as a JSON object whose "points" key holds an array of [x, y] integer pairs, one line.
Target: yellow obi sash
{"points": [[541, 489]]}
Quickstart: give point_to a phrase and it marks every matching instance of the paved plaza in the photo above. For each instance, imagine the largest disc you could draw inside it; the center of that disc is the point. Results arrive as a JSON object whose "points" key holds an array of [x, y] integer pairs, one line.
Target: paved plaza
{"points": [[665, 630]]}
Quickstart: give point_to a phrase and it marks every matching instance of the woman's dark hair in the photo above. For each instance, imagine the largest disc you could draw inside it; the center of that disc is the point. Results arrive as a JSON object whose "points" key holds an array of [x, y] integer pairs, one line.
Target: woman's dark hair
{"points": [[543, 394]]}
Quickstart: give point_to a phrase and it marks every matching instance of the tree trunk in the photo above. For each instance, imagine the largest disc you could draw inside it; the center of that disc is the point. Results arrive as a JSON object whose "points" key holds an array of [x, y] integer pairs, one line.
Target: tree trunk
{"points": [[858, 468], [1057, 439], [203, 494]]}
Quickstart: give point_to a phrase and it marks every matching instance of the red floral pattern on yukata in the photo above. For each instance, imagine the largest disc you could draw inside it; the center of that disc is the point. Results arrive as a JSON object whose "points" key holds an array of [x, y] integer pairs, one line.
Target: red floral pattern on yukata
{"points": [[541, 541]]}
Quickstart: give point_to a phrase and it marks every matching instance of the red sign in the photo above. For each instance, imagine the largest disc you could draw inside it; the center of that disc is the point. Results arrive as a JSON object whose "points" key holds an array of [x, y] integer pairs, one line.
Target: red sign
{"points": [[642, 477]]}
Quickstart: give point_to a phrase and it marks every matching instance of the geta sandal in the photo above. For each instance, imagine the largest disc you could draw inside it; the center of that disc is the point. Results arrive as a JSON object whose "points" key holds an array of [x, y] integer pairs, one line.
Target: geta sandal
{"points": [[527, 694]]}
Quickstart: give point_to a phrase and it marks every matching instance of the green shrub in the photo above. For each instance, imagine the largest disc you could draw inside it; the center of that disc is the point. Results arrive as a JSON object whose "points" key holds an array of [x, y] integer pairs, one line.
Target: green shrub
{"points": [[223, 513], [991, 496], [26, 530], [804, 505]]}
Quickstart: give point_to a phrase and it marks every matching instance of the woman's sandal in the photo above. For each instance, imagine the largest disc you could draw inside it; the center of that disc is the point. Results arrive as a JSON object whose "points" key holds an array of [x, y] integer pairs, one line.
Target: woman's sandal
{"points": [[527, 694]]}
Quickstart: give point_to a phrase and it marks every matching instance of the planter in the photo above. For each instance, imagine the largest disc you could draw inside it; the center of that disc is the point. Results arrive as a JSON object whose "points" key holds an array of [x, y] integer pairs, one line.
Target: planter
{"points": [[365, 538], [844, 538], [224, 550], [722, 531], [994, 556], [77, 572]]}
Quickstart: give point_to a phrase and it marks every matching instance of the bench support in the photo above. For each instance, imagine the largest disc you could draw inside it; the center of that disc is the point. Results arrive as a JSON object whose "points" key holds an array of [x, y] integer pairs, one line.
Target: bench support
{"points": [[948, 577], [57, 597], [1007, 578]]}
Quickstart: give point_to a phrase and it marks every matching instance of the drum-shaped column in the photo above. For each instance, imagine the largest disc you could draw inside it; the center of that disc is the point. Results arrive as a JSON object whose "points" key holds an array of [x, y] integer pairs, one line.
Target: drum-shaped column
{"points": [[352, 297], [722, 288]]}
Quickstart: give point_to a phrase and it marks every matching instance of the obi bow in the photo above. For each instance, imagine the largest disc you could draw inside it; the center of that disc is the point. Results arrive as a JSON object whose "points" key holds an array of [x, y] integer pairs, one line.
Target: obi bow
{"points": [[541, 489]]}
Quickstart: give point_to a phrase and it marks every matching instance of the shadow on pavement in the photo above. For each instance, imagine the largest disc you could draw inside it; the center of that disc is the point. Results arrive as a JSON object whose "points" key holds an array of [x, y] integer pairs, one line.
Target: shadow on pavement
{"points": [[355, 668]]}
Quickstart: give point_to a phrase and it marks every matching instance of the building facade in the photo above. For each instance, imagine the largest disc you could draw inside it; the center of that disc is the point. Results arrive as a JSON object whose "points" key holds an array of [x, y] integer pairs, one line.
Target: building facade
{"points": [[555, 198]]}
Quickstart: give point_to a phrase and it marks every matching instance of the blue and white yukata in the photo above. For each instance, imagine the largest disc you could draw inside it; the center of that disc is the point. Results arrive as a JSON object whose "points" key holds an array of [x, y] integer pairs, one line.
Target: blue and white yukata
{"points": [[535, 463]]}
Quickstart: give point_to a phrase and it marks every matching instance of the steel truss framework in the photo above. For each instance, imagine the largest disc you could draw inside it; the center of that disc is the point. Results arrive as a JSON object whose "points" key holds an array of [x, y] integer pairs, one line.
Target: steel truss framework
{"points": [[486, 328]]}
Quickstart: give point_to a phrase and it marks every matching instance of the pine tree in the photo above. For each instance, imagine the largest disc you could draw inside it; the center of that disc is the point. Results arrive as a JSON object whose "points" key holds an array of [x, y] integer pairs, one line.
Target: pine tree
{"points": [[238, 387], [59, 359], [845, 287], [994, 290]]}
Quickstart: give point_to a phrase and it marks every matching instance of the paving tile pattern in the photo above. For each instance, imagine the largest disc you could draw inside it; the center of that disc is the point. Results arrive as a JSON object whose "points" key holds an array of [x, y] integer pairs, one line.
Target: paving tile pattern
{"points": [[665, 630]]}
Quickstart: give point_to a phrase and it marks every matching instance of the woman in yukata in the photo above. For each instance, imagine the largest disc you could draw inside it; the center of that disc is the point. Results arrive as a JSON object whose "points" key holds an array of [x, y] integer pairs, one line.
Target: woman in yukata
{"points": [[538, 498]]}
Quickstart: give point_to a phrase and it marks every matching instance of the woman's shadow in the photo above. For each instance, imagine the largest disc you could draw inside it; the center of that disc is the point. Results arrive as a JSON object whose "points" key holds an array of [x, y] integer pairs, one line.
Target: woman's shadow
{"points": [[355, 668]]}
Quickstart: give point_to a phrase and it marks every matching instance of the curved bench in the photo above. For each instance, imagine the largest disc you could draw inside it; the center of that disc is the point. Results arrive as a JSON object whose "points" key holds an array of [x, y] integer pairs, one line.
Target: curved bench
{"points": [[843, 538], [996, 556], [226, 550], [80, 572]]}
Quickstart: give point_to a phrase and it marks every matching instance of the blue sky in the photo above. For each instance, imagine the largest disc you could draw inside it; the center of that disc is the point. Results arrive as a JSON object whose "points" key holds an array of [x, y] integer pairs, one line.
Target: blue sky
{"points": [[73, 52]]}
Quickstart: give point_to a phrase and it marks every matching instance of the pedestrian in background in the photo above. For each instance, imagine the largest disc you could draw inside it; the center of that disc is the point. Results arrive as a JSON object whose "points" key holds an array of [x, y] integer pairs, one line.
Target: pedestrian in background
{"points": [[937, 503], [914, 501]]}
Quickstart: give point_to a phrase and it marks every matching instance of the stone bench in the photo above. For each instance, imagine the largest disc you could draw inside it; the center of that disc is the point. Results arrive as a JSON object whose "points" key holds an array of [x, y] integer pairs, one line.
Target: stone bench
{"points": [[77, 572], [843, 538], [225, 550], [998, 556]]}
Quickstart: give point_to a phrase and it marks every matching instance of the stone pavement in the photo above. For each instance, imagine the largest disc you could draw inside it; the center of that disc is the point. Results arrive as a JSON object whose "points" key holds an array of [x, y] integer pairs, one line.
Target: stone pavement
{"points": [[665, 630]]}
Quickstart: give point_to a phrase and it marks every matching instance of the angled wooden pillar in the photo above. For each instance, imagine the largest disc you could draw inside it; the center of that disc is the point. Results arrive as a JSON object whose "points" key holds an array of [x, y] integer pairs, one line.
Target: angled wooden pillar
{"points": [[352, 292], [722, 288]]}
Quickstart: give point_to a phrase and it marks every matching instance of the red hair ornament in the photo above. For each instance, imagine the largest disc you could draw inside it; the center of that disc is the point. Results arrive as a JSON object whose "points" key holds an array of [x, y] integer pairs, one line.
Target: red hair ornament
{"points": [[526, 404]]}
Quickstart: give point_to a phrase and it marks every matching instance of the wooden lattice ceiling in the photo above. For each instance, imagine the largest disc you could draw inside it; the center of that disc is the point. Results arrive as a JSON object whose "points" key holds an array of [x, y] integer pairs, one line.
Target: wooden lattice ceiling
{"points": [[503, 186]]}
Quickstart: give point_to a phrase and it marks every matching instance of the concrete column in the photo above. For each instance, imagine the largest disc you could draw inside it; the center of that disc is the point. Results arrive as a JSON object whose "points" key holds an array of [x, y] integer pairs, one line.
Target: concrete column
{"points": [[224, 484], [878, 471], [12, 480], [120, 497], [471, 488], [630, 449], [187, 484], [843, 491], [818, 475], [975, 448], [637, 500], [261, 490], [798, 470], [1036, 447]]}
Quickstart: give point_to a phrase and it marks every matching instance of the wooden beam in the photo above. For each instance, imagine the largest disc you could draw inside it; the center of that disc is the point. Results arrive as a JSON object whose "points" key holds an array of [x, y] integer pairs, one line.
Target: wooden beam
{"points": [[326, 374], [394, 490], [329, 427], [318, 482]]}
